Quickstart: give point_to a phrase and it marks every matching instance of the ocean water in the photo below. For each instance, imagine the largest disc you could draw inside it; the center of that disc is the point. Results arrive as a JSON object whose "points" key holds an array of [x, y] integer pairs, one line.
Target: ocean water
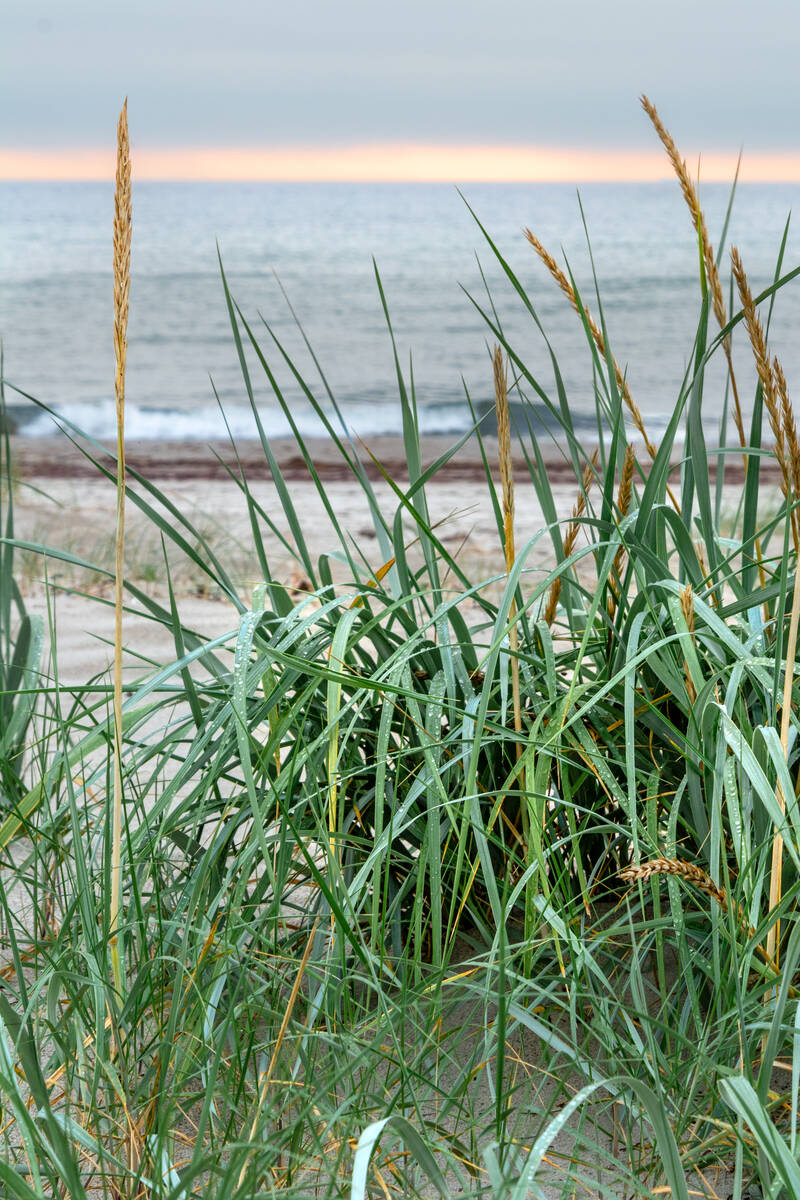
{"points": [[319, 241]]}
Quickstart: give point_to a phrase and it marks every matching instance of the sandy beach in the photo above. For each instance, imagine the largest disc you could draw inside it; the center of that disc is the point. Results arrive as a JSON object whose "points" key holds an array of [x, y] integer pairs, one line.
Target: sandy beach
{"points": [[62, 500]]}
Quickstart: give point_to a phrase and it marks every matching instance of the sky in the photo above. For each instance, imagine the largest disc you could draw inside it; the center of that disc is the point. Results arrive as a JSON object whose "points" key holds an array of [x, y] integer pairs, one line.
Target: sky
{"points": [[400, 89]]}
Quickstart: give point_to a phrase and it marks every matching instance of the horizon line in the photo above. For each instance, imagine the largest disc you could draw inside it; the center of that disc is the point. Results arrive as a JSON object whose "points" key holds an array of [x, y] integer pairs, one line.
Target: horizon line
{"points": [[387, 162]]}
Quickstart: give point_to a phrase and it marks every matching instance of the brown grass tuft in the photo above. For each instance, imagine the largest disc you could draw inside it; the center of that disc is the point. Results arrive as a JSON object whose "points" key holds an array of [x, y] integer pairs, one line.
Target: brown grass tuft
{"points": [[572, 535]]}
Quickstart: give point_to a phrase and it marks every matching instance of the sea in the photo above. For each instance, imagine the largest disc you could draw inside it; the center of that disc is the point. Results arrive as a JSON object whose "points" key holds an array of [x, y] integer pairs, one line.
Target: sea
{"points": [[303, 263]]}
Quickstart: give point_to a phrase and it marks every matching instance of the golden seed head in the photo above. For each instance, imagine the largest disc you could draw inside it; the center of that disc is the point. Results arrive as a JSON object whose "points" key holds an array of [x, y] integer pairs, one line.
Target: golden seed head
{"points": [[755, 332], [675, 866], [623, 504], [504, 453], [690, 196], [554, 269], [626, 481], [552, 601], [687, 606], [571, 536], [678, 163], [789, 427], [122, 249], [597, 337]]}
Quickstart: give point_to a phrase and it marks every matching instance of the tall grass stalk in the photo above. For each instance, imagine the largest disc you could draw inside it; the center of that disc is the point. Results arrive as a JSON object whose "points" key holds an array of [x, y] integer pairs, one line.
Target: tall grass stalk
{"points": [[507, 482], [772, 383], [122, 284], [776, 872], [265, 1079], [689, 192]]}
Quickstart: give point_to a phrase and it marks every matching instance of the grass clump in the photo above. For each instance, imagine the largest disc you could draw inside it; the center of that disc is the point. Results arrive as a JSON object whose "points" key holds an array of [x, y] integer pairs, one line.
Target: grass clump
{"points": [[503, 870]]}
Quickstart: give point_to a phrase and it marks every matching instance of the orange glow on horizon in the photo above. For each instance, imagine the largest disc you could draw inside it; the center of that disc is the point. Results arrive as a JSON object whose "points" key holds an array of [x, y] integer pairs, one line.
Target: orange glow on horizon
{"points": [[404, 162]]}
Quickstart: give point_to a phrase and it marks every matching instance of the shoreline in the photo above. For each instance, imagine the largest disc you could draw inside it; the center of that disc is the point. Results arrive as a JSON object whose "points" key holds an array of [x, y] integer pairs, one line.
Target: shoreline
{"points": [[179, 461]]}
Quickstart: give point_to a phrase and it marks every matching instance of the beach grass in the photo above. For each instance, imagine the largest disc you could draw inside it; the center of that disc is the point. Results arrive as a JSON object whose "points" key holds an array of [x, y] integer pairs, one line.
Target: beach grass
{"points": [[423, 883]]}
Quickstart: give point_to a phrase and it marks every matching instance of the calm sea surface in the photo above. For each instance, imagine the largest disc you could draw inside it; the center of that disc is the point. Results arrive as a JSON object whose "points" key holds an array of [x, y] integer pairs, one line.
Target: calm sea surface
{"points": [[319, 240]]}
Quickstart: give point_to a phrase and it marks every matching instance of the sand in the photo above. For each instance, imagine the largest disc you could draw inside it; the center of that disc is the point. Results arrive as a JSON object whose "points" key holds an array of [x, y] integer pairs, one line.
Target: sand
{"points": [[63, 501]]}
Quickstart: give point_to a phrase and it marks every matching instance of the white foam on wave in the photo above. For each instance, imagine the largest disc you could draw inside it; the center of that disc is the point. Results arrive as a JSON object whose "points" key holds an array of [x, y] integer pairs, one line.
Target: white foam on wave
{"points": [[206, 422]]}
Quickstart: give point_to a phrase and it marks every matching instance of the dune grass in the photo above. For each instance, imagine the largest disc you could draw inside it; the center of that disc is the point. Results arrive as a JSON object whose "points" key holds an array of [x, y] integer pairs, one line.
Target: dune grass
{"points": [[430, 884]]}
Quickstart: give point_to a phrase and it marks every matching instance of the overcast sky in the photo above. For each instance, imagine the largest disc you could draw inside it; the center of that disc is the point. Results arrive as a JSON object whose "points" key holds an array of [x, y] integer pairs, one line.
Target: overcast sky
{"points": [[244, 73]]}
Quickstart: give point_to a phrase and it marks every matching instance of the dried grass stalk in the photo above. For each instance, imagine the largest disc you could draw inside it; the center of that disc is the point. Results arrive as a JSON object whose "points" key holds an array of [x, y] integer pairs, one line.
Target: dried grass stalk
{"points": [[791, 453], [597, 337], [599, 341], [572, 535], [676, 866], [712, 274], [504, 454], [704, 883], [122, 284], [265, 1079], [687, 608], [507, 480], [791, 447], [625, 492], [755, 332], [623, 504], [773, 388]]}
